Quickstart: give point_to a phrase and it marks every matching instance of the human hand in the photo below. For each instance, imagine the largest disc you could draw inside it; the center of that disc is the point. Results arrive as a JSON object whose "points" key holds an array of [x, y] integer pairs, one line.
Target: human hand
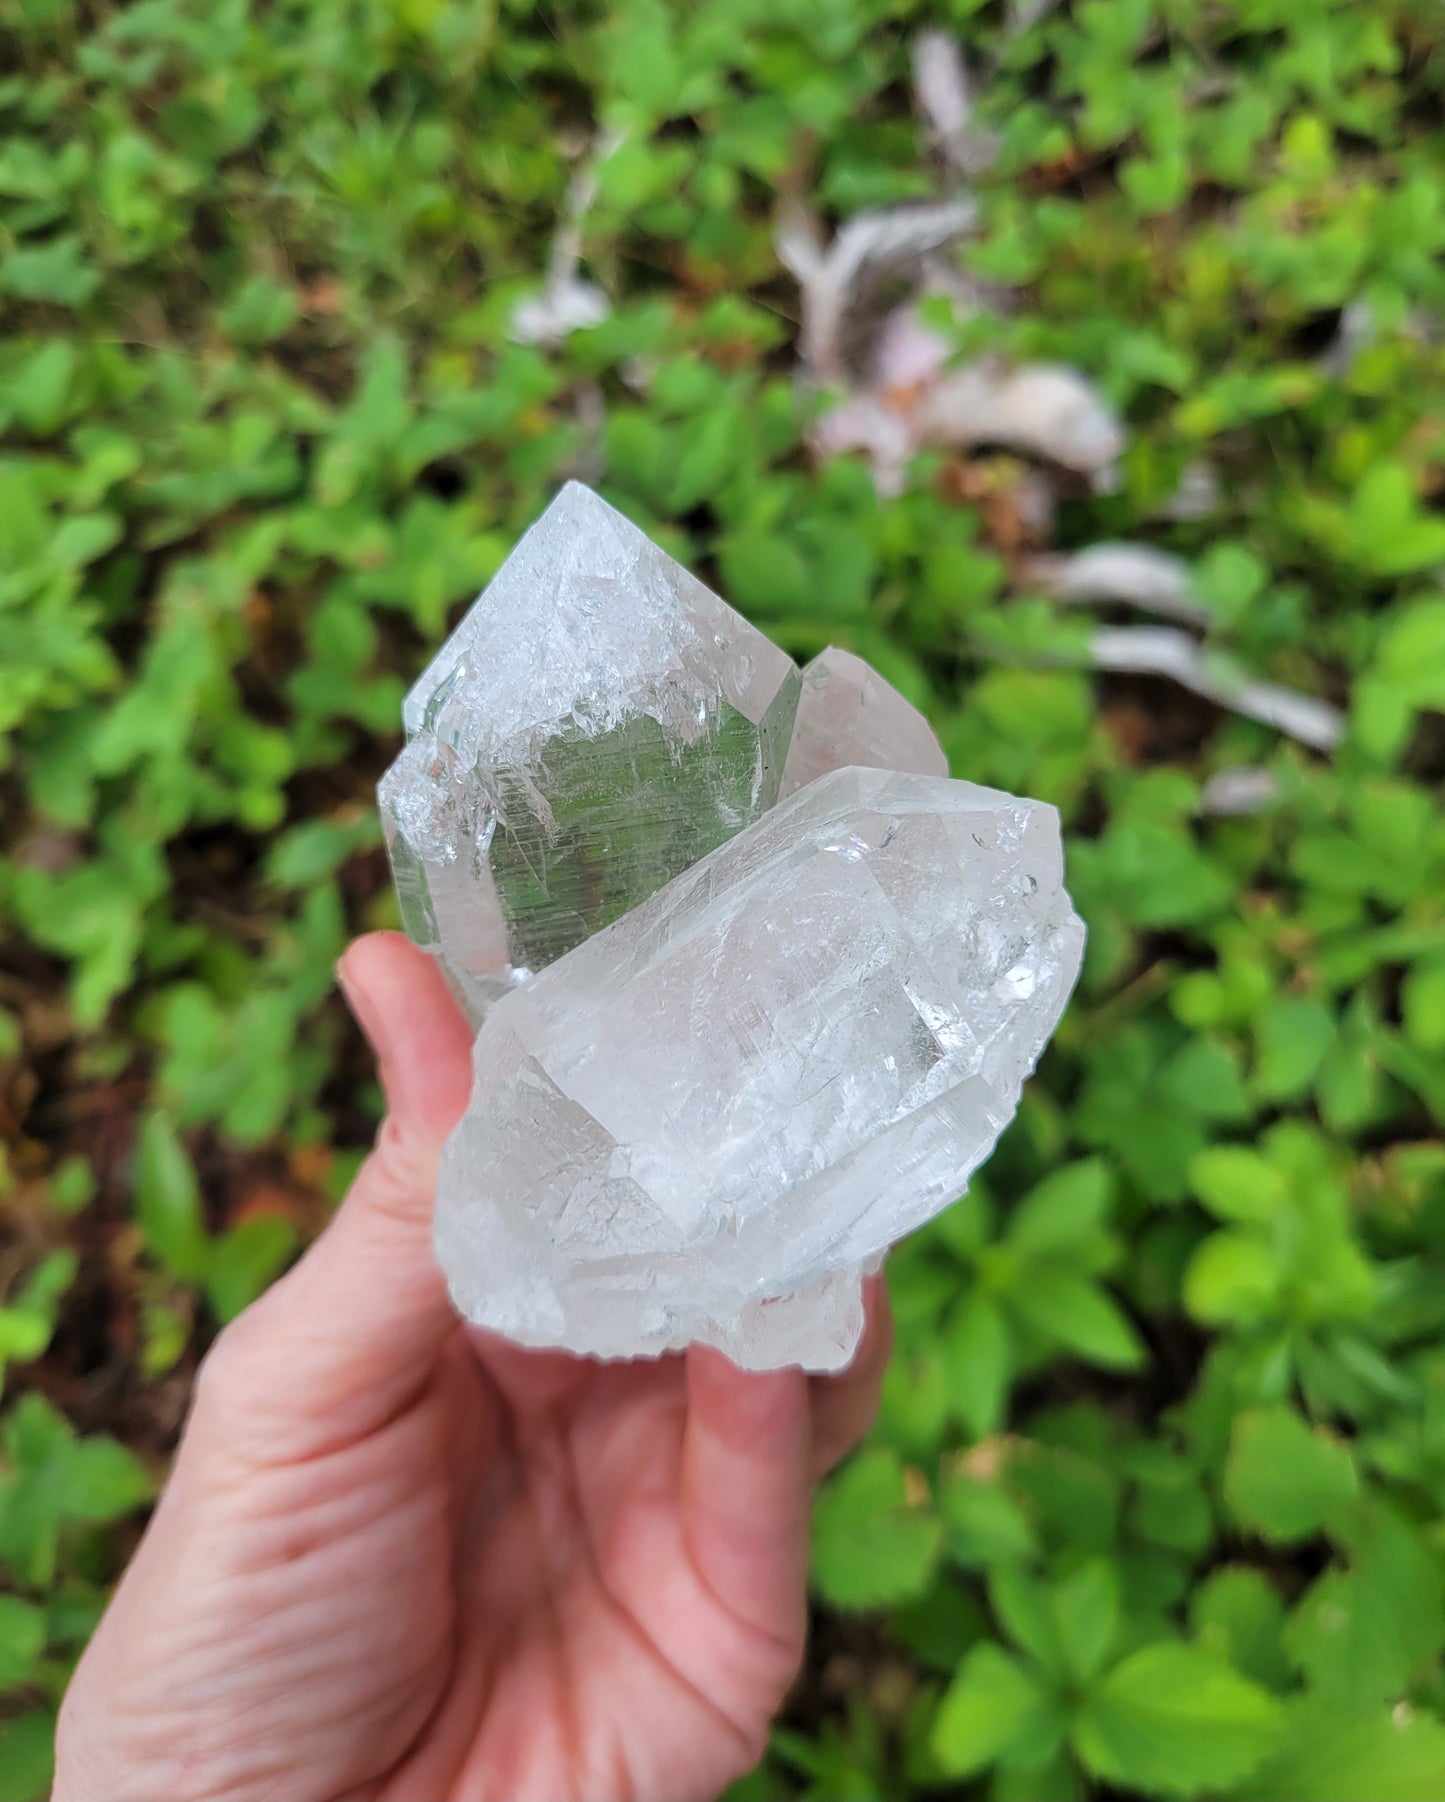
{"points": [[399, 1558]]}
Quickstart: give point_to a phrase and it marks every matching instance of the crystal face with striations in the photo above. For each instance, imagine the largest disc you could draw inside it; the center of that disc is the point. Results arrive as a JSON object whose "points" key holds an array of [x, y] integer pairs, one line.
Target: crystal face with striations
{"points": [[706, 1121], [597, 722]]}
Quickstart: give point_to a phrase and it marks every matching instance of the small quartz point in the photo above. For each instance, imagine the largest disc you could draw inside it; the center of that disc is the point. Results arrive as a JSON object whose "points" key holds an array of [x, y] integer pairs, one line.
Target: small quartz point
{"points": [[849, 715], [709, 1119], [597, 722]]}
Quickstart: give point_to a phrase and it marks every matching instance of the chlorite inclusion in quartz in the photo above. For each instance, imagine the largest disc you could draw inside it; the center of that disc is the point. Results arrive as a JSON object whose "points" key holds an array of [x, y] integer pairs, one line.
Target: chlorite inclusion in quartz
{"points": [[597, 722], [707, 1121], [748, 1013]]}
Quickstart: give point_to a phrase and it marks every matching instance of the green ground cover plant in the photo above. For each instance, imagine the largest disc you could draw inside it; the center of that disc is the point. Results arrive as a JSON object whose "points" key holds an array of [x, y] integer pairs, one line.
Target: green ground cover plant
{"points": [[1155, 1504]]}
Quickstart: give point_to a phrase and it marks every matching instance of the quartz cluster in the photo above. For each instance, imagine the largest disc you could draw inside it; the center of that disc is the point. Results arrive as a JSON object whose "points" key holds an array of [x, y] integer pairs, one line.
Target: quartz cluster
{"points": [[756, 985], [597, 722]]}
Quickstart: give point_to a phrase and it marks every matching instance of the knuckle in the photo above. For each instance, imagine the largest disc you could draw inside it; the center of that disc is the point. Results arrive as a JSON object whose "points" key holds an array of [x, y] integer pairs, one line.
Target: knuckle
{"points": [[400, 1174], [224, 1373]]}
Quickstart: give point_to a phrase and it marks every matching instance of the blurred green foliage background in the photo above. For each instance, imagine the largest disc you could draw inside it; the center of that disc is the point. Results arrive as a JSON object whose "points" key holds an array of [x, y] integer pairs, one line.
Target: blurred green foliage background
{"points": [[1155, 1504]]}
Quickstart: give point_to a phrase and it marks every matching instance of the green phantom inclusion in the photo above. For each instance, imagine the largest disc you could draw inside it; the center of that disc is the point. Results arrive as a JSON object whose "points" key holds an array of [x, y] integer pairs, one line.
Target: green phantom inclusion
{"points": [[629, 811], [597, 722]]}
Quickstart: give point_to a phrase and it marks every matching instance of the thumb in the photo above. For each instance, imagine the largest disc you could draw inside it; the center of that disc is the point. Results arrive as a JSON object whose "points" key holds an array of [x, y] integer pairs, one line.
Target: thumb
{"points": [[345, 1339]]}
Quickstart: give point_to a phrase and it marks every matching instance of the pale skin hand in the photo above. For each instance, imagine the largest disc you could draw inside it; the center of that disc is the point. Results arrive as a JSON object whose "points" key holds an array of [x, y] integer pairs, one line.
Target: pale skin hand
{"points": [[398, 1559]]}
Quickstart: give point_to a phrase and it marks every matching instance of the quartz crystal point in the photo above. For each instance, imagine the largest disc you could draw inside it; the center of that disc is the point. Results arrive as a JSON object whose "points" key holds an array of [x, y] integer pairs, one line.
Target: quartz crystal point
{"points": [[597, 722], [708, 1120], [848, 714]]}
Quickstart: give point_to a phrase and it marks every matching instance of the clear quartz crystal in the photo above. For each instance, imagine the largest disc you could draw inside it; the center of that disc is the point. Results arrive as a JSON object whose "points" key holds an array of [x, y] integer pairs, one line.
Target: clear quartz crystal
{"points": [[597, 722], [706, 1121], [729, 1054], [848, 714]]}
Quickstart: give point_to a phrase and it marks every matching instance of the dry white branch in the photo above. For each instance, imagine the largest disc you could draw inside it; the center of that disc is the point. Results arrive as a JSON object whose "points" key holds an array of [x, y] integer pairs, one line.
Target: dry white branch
{"points": [[1166, 651], [1035, 503], [1356, 332], [557, 311], [1043, 410], [907, 354], [567, 302], [1229, 793], [944, 93], [941, 85], [838, 277], [1135, 575], [1023, 15], [1197, 495], [867, 423], [1047, 410]]}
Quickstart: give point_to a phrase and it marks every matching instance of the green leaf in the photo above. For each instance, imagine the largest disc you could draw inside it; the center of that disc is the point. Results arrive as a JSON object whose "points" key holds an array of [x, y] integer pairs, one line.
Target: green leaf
{"points": [[1391, 535], [1202, 1081], [1025, 1609], [57, 271], [103, 1480], [73, 1613], [1063, 1210], [49, 1281], [23, 1336], [979, 1362], [967, 1226], [1407, 676], [1171, 1506], [259, 311], [1072, 1311], [32, 1501], [1238, 1617], [1235, 1183], [26, 1328], [1171, 1719], [1286, 1479], [1231, 1278], [993, 1705], [766, 575], [27, 1756], [983, 1524], [1056, 1780], [1393, 1755], [869, 1546], [38, 394], [22, 1639], [1293, 1034], [1073, 1495], [1361, 1634], [48, 1477], [1422, 1002], [1156, 184], [914, 1408], [1229, 579], [168, 1200], [941, 1624], [243, 1261], [709, 454], [165, 1334], [1086, 1606]]}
